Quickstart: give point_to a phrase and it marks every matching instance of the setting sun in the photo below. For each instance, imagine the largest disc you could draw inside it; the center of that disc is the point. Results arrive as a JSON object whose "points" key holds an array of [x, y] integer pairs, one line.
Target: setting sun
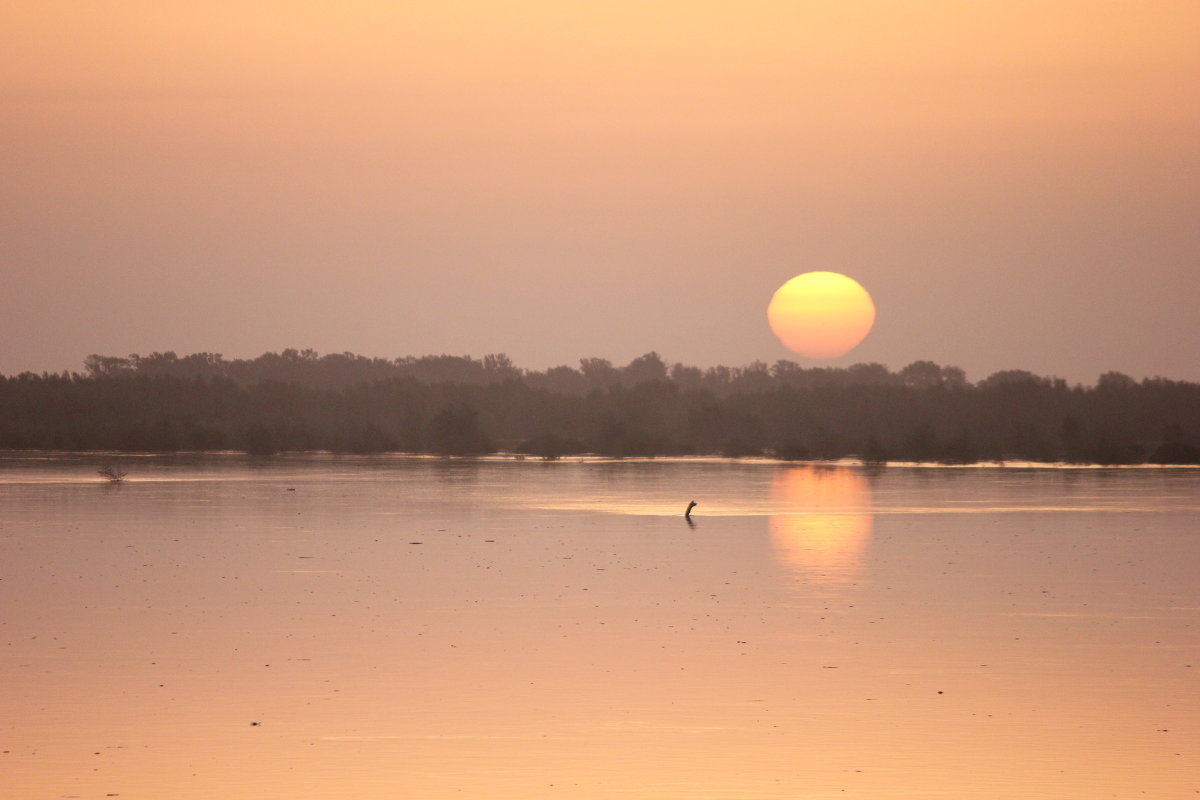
{"points": [[821, 314]]}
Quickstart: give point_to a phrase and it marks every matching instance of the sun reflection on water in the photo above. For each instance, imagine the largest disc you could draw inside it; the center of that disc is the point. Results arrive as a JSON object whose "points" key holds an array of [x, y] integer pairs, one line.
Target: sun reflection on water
{"points": [[823, 528]]}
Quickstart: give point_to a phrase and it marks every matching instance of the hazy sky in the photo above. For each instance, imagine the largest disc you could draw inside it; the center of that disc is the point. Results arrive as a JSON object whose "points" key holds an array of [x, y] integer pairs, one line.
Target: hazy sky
{"points": [[1016, 183]]}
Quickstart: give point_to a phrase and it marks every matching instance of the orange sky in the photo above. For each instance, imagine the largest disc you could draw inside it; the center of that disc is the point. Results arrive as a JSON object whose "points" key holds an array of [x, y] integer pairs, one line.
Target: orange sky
{"points": [[1014, 182]]}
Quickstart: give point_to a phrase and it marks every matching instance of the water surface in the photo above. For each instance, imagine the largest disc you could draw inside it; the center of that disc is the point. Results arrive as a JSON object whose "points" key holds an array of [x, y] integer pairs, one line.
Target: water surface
{"points": [[383, 627]]}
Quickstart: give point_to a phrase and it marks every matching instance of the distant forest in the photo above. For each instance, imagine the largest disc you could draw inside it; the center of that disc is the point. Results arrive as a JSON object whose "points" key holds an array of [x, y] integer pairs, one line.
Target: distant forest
{"points": [[298, 400]]}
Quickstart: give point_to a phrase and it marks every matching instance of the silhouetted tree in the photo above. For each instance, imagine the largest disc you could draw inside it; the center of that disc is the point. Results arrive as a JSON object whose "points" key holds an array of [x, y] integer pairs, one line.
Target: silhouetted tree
{"points": [[873, 451], [921, 444], [1175, 449], [792, 451], [649, 367], [598, 372], [922, 375], [455, 431], [1071, 442], [960, 449], [300, 400], [259, 440]]}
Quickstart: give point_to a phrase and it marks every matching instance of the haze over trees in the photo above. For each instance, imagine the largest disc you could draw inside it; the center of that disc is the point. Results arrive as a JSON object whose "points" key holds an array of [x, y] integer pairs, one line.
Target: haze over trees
{"points": [[458, 405]]}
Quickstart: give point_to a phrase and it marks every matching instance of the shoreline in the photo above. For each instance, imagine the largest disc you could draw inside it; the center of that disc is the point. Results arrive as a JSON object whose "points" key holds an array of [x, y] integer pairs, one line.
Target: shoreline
{"points": [[587, 458]]}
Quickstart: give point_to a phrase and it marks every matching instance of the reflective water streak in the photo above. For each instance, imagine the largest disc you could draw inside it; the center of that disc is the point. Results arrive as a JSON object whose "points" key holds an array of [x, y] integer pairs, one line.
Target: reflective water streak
{"points": [[824, 526]]}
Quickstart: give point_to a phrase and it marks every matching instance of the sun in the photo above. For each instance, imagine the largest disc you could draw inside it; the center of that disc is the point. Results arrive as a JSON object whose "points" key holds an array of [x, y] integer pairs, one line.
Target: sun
{"points": [[821, 314]]}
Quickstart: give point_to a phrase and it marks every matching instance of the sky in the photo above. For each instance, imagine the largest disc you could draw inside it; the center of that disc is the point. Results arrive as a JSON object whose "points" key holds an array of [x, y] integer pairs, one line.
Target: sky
{"points": [[1017, 184]]}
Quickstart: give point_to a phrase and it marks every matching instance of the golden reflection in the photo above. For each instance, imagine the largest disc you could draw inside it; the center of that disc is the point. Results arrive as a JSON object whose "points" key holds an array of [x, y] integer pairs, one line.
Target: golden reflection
{"points": [[824, 524]]}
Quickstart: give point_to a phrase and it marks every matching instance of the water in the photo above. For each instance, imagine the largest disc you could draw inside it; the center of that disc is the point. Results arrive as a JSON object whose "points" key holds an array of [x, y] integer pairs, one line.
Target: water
{"points": [[368, 628]]}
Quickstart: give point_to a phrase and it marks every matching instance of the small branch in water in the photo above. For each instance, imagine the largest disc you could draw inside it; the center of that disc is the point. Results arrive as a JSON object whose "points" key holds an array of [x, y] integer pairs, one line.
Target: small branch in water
{"points": [[113, 474]]}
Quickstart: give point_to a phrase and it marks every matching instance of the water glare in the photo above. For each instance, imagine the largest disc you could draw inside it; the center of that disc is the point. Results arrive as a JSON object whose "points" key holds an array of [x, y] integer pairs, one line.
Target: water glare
{"points": [[824, 527]]}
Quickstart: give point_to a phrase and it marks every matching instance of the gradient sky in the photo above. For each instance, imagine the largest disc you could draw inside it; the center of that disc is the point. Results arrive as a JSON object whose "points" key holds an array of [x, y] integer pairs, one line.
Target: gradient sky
{"points": [[1016, 183]]}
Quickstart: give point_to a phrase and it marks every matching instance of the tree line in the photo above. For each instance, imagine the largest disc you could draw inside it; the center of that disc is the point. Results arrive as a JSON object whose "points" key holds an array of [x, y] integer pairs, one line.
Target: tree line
{"points": [[457, 405]]}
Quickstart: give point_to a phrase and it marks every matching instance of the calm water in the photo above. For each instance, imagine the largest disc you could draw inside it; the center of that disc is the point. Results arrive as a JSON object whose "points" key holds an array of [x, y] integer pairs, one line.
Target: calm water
{"points": [[405, 628]]}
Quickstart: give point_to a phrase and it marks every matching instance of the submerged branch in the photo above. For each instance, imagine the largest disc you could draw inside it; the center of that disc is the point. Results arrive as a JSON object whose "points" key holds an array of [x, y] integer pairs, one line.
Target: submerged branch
{"points": [[114, 474]]}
